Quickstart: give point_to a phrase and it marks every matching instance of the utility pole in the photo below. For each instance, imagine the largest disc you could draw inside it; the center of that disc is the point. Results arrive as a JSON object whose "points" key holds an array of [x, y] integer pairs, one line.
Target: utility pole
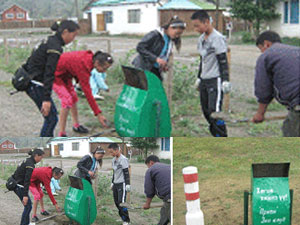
{"points": [[217, 14], [77, 9]]}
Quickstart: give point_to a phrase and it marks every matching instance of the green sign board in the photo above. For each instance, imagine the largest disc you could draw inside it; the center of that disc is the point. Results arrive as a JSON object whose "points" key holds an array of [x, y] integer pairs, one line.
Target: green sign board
{"points": [[80, 203], [270, 194], [142, 109]]}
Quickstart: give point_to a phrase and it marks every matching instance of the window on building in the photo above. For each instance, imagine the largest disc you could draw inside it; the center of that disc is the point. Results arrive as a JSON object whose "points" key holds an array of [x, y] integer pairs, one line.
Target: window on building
{"points": [[60, 147], [165, 144], [9, 15], [4, 146], [286, 12], [294, 12], [10, 146], [75, 146], [20, 15], [134, 16], [108, 16]]}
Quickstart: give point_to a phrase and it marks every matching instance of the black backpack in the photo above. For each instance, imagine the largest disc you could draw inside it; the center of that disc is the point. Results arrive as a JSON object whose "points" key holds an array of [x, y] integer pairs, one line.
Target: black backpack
{"points": [[11, 184]]}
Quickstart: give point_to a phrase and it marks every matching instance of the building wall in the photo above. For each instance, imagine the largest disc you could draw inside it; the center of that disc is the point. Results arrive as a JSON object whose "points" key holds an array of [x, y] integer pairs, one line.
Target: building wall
{"points": [[161, 152], [14, 10], [7, 145], [84, 148], [120, 25], [185, 15], [282, 28]]}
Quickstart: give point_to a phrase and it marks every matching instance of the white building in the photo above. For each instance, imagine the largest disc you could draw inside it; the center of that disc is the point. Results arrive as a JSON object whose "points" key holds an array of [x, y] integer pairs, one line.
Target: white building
{"points": [[165, 149], [124, 16], [288, 25], [78, 146]]}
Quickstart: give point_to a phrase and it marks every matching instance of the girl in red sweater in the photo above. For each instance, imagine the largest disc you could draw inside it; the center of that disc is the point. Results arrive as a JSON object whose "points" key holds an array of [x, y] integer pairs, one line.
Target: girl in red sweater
{"points": [[78, 65], [43, 175]]}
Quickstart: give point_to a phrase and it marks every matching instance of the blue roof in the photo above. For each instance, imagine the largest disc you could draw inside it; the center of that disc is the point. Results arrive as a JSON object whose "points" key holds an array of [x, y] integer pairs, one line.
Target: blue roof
{"points": [[180, 4], [106, 140], [119, 2]]}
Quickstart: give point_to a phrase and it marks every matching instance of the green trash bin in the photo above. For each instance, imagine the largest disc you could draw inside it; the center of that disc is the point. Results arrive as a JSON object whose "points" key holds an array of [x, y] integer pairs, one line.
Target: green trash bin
{"points": [[271, 200], [80, 203], [142, 109]]}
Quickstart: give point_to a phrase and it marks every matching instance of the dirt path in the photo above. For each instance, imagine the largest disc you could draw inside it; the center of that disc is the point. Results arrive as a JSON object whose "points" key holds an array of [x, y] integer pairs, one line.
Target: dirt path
{"points": [[11, 208]]}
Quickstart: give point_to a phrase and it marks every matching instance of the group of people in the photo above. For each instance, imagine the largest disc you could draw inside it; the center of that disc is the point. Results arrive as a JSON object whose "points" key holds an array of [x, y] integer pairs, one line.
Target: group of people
{"points": [[55, 71], [27, 177]]}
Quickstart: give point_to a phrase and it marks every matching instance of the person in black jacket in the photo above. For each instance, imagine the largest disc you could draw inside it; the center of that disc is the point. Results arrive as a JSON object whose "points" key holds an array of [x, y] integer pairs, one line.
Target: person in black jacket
{"points": [[156, 47], [22, 176], [42, 64], [88, 165]]}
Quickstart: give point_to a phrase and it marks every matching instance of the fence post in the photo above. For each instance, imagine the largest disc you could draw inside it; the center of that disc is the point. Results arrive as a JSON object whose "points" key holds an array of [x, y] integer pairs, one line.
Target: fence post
{"points": [[170, 80], [108, 46], [194, 215], [61, 164], [5, 50]]}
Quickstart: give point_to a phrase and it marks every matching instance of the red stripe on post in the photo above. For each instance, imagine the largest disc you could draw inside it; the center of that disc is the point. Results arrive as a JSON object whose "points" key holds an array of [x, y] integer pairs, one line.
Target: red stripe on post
{"points": [[190, 178], [192, 196]]}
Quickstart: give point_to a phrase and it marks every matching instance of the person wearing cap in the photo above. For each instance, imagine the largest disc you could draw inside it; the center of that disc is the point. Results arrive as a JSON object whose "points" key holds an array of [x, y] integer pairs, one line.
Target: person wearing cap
{"points": [[277, 75], [213, 76], [43, 175], [88, 165], [158, 182], [155, 47], [41, 66], [120, 181], [78, 65], [22, 176]]}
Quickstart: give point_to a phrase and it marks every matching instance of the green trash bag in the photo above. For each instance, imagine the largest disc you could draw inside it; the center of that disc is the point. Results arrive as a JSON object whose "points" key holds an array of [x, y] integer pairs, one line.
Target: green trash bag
{"points": [[270, 194], [142, 108], [80, 203]]}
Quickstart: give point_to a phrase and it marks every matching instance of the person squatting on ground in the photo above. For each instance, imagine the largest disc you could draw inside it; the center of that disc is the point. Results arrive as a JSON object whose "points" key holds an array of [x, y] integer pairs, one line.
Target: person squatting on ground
{"points": [[42, 63], [78, 65], [43, 175], [277, 75], [155, 47], [158, 182], [120, 180], [213, 75], [88, 165], [97, 82], [54, 185], [22, 177]]}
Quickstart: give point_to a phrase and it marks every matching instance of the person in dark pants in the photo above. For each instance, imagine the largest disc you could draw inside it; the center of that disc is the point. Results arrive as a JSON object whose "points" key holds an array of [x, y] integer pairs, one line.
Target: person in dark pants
{"points": [[88, 165], [42, 64], [22, 176], [277, 75], [120, 181], [158, 182], [213, 76], [156, 47]]}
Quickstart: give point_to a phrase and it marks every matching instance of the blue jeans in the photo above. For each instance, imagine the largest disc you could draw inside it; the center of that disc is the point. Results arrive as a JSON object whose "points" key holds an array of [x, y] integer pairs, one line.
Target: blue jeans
{"points": [[36, 93], [27, 209]]}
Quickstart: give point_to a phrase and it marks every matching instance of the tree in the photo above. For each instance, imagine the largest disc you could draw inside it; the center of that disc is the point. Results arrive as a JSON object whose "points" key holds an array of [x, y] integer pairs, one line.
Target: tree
{"points": [[144, 144], [255, 11]]}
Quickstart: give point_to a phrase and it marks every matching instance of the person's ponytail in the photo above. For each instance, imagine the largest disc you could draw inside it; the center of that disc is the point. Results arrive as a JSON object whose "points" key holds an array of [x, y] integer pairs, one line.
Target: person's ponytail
{"points": [[36, 151]]}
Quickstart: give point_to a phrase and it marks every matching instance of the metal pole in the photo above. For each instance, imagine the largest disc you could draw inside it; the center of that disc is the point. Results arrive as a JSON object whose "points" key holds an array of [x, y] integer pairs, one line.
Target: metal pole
{"points": [[291, 207], [246, 201]]}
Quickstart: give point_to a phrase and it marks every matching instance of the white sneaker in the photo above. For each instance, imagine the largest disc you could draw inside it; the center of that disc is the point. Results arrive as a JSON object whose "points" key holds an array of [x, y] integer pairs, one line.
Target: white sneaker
{"points": [[126, 223], [98, 97], [54, 194]]}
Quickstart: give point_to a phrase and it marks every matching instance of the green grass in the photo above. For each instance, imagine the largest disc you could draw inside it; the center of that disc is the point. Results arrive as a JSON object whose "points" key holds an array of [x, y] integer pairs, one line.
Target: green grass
{"points": [[224, 171]]}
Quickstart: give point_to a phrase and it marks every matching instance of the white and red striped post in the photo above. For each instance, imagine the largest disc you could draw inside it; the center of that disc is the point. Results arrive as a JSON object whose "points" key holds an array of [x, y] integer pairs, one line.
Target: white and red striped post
{"points": [[194, 215]]}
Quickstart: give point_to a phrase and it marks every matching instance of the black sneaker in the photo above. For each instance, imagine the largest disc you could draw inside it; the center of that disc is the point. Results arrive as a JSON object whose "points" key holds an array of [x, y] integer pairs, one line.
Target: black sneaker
{"points": [[81, 129], [34, 219], [45, 213]]}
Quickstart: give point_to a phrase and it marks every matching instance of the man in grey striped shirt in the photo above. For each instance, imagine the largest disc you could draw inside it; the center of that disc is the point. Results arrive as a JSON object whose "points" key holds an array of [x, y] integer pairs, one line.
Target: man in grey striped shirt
{"points": [[213, 76], [120, 181]]}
